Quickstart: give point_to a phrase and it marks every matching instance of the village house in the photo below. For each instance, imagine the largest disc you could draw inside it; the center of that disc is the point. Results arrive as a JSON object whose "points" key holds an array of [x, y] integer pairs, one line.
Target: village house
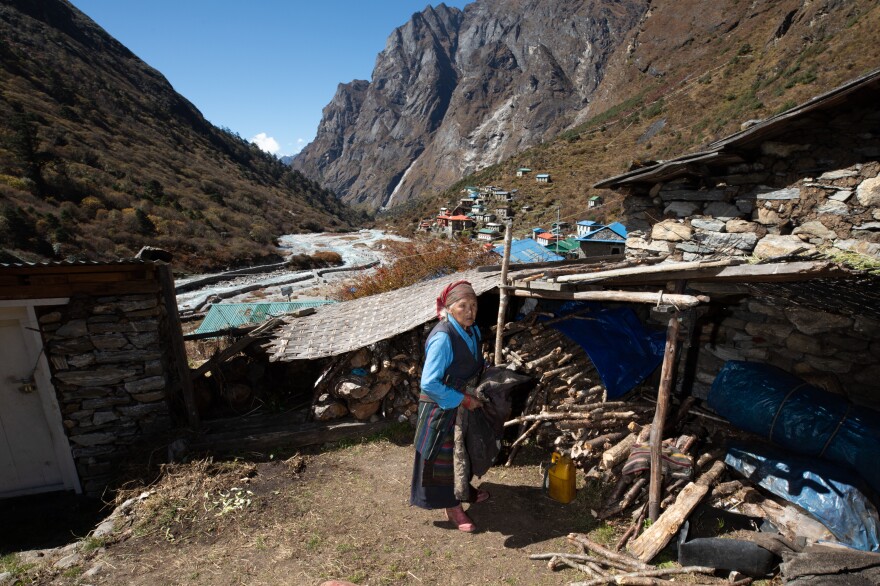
{"points": [[595, 201], [542, 178], [546, 238], [599, 240], [585, 226], [487, 234], [504, 212], [523, 171], [93, 375]]}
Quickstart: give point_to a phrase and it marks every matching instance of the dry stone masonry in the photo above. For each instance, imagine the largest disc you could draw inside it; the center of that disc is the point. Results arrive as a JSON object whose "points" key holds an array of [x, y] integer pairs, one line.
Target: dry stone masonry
{"points": [[109, 370], [836, 210]]}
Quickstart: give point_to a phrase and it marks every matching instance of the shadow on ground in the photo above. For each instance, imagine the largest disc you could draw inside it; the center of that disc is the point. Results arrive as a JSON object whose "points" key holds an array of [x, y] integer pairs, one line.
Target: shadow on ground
{"points": [[47, 520], [522, 513]]}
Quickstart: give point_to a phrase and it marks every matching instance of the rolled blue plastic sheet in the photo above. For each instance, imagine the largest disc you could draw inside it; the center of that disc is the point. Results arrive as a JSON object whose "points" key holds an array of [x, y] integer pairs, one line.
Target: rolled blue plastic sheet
{"points": [[787, 411], [826, 491]]}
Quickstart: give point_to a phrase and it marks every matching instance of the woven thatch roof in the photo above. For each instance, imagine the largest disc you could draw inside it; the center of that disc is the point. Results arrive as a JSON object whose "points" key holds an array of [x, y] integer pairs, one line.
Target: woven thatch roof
{"points": [[343, 327]]}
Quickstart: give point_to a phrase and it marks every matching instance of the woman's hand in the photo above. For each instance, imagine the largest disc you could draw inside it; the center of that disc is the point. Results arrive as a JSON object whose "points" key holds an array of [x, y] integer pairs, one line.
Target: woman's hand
{"points": [[470, 403]]}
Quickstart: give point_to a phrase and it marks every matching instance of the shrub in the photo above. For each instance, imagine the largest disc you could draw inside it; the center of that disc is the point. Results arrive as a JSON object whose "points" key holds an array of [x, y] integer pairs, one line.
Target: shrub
{"points": [[410, 262]]}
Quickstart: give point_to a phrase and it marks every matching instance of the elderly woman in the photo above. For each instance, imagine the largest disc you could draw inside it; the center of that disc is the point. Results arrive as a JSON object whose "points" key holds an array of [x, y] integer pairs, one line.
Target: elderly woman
{"points": [[452, 363]]}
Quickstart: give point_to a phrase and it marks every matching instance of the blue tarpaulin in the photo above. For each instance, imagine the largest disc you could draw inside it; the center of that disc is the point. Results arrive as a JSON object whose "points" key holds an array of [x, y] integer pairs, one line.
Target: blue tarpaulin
{"points": [[828, 492], [787, 411], [623, 351]]}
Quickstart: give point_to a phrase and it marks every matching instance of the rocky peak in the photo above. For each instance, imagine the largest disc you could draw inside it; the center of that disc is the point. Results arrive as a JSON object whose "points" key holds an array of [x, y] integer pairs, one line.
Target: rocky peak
{"points": [[455, 91]]}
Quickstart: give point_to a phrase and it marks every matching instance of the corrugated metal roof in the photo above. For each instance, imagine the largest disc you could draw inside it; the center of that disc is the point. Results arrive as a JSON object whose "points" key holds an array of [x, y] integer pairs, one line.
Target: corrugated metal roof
{"points": [[347, 326], [528, 251], [224, 316]]}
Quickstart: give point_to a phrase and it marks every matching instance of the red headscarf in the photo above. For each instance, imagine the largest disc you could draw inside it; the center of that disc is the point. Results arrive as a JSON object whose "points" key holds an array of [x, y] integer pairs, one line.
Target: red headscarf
{"points": [[454, 292]]}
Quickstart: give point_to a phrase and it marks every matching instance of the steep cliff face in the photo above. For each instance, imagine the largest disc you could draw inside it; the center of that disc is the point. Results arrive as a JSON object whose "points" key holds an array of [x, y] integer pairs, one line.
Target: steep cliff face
{"points": [[456, 91]]}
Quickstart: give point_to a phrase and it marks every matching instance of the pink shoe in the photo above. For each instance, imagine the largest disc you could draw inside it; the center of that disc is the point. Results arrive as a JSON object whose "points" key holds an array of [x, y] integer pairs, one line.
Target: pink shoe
{"points": [[460, 519]]}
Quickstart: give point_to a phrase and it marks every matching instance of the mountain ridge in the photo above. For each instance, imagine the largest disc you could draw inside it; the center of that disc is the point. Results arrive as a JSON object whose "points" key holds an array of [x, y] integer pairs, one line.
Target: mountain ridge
{"points": [[696, 70], [100, 156]]}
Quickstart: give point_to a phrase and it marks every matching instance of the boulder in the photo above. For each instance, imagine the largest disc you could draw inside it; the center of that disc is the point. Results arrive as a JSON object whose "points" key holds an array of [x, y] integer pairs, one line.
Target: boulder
{"points": [[722, 241], [780, 194], [832, 206], [671, 231], [722, 211], [738, 226], [868, 193], [814, 229], [866, 248], [811, 321], [660, 246], [681, 209], [767, 217], [710, 224], [842, 195], [774, 245]]}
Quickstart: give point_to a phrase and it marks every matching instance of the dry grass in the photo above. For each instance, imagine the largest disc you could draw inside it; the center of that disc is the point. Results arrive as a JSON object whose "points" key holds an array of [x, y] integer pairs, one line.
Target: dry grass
{"points": [[409, 262]]}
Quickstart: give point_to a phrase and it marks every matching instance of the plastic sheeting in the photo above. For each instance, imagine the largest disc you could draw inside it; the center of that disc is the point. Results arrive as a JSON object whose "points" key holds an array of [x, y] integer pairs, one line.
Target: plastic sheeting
{"points": [[827, 492], [623, 351], [787, 411]]}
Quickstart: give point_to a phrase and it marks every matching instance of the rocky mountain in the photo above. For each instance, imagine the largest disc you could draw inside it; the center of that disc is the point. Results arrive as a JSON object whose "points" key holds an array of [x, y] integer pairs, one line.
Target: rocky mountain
{"points": [[100, 156], [581, 89], [455, 91]]}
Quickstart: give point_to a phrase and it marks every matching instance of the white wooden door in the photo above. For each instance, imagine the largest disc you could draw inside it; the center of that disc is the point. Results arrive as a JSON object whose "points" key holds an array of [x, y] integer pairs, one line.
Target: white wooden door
{"points": [[29, 446]]}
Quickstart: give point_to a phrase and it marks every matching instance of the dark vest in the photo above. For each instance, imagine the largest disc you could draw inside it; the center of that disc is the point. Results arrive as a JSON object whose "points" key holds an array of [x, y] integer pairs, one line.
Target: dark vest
{"points": [[465, 365]]}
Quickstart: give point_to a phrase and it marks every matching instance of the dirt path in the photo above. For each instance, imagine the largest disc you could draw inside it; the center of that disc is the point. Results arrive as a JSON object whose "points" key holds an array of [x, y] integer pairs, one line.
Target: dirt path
{"points": [[340, 514]]}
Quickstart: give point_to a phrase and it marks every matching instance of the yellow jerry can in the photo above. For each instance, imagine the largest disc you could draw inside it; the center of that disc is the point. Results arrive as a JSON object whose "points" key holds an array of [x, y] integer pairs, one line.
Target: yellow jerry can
{"points": [[561, 478]]}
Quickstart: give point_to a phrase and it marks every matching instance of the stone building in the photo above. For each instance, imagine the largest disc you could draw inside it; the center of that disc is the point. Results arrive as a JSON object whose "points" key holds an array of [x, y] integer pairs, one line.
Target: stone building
{"points": [[800, 185], [91, 353]]}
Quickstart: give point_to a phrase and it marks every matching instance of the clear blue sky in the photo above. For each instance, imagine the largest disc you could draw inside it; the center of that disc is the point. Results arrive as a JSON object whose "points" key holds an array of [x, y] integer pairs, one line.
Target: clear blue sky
{"points": [[262, 68]]}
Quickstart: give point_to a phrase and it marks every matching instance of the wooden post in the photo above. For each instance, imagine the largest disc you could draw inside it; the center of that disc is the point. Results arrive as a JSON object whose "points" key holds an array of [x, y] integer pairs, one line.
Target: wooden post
{"points": [[503, 294], [655, 489], [178, 349]]}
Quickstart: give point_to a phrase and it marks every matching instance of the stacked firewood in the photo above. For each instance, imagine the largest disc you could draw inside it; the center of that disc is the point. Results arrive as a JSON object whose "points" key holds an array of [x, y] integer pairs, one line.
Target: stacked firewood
{"points": [[568, 408], [379, 380]]}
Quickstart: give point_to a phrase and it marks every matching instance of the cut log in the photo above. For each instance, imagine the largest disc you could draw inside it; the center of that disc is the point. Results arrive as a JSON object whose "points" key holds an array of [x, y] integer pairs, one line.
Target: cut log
{"points": [[619, 452], [667, 525]]}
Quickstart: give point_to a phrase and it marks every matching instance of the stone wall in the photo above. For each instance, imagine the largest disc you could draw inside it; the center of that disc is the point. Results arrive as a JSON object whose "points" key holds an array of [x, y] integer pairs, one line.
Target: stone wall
{"points": [[838, 353], [109, 358], [838, 209]]}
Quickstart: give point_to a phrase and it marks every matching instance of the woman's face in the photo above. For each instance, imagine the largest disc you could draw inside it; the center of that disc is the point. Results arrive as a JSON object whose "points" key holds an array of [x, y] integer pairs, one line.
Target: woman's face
{"points": [[464, 311]]}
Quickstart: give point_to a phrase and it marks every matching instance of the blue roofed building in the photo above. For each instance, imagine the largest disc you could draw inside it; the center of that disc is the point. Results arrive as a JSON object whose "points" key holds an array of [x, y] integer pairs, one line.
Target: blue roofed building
{"points": [[528, 251], [600, 240]]}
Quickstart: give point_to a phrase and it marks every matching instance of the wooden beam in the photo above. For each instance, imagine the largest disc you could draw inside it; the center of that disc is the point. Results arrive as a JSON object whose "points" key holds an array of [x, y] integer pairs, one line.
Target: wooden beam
{"points": [[504, 296], [744, 273], [178, 348], [670, 354], [237, 346], [679, 300], [678, 267]]}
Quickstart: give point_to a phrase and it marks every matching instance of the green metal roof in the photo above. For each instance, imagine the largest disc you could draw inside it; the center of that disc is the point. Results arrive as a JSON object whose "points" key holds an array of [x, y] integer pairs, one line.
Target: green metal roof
{"points": [[224, 316], [564, 246]]}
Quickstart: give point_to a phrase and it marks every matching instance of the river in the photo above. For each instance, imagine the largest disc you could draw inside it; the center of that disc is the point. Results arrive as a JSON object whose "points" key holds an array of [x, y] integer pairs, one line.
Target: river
{"points": [[355, 248]]}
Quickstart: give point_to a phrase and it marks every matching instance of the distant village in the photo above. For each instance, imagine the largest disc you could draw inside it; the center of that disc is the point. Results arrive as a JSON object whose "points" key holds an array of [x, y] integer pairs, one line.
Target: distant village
{"points": [[483, 210]]}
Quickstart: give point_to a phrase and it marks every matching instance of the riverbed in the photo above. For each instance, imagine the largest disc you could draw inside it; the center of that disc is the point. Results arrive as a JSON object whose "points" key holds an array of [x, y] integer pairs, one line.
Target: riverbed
{"points": [[355, 248]]}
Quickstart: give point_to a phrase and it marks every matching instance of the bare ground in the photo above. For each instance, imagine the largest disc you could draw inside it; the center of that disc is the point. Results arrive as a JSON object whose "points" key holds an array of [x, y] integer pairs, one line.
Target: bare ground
{"points": [[342, 513]]}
